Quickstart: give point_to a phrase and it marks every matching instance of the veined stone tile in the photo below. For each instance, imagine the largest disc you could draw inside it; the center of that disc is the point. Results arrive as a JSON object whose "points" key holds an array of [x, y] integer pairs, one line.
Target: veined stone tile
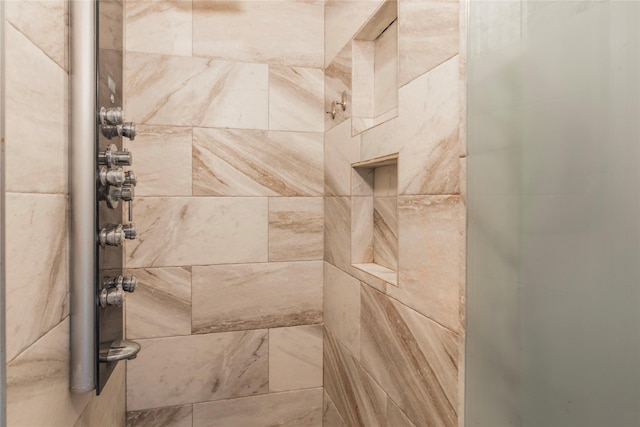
{"points": [[337, 79], [185, 91], [342, 21], [413, 358], [295, 358], [385, 181], [296, 228], [172, 416], [296, 99], [337, 231], [228, 162], [428, 35], [362, 229], [273, 32], [330, 415], [340, 151], [177, 370], [182, 231], [45, 24], [250, 296], [36, 255], [359, 400], [289, 409], [108, 409], [385, 232], [342, 307], [161, 304], [159, 27], [163, 161], [36, 117], [432, 242], [426, 134], [38, 383], [386, 71], [395, 416]]}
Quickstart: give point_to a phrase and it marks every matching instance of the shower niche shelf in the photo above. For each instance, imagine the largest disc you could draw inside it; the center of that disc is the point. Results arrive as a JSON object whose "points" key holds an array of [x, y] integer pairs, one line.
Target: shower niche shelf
{"points": [[374, 217]]}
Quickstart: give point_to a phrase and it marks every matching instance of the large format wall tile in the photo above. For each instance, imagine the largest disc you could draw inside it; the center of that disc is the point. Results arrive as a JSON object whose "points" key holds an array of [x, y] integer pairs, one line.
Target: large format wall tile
{"points": [[432, 242], [428, 35], [250, 296], [412, 358], [359, 400], [330, 415], [337, 79], [36, 118], [340, 151], [296, 99], [337, 231], [185, 91], [229, 162], [342, 307], [274, 32], [289, 409], [36, 281], [426, 134], [198, 231], [159, 27], [44, 22], [177, 370], [397, 418], [161, 304], [38, 380], [108, 409], [385, 232], [296, 228], [171, 416], [163, 161], [295, 358]]}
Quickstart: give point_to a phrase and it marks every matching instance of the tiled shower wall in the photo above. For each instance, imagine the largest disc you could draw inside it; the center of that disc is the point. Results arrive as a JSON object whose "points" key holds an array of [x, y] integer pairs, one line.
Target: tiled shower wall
{"points": [[392, 354], [37, 291], [228, 96]]}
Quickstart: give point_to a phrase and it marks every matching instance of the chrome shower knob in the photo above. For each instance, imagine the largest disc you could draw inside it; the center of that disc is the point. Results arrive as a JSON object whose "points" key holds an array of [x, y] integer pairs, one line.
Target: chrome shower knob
{"points": [[112, 158], [116, 177], [129, 283], [128, 130], [130, 231], [111, 116]]}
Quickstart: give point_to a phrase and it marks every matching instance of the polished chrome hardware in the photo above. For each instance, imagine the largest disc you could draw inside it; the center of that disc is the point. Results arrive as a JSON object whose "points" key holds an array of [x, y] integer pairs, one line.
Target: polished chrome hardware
{"points": [[127, 283], [111, 116], [130, 178], [125, 193], [112, 158], [116, 176], [120, 350], [111, 296], [128, 130], [114, 235]]}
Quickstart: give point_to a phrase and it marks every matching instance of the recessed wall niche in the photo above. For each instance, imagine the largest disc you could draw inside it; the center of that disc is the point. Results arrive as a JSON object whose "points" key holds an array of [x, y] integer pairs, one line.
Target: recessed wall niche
{"points": [[375, 70], [374, 217]]}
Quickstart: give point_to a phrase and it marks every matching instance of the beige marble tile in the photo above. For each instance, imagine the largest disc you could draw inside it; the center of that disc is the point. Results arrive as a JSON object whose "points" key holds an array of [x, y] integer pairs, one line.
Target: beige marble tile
{"points": [[295, 358], [428, 35], [363, 78], [161, 304], [296, 99], [162, 161], [172, 416], [44, 23], [376, 271], [36, 102], [36, 272], [296, 228], [359, 399], [337, 79], [397, 418], [386, 71], [342, 21], [362, 230], [412, 358], [250, 296], [177, 370], [426, 133], [289, 409], [385, 232], [337, 231], [340, 151], [342, 307], [182, 231], [330, 415], [108, 409], [185, 91], [38, 384], [231, 162], [432, 241], [385, 181], [274, 32], [162, 27]]}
